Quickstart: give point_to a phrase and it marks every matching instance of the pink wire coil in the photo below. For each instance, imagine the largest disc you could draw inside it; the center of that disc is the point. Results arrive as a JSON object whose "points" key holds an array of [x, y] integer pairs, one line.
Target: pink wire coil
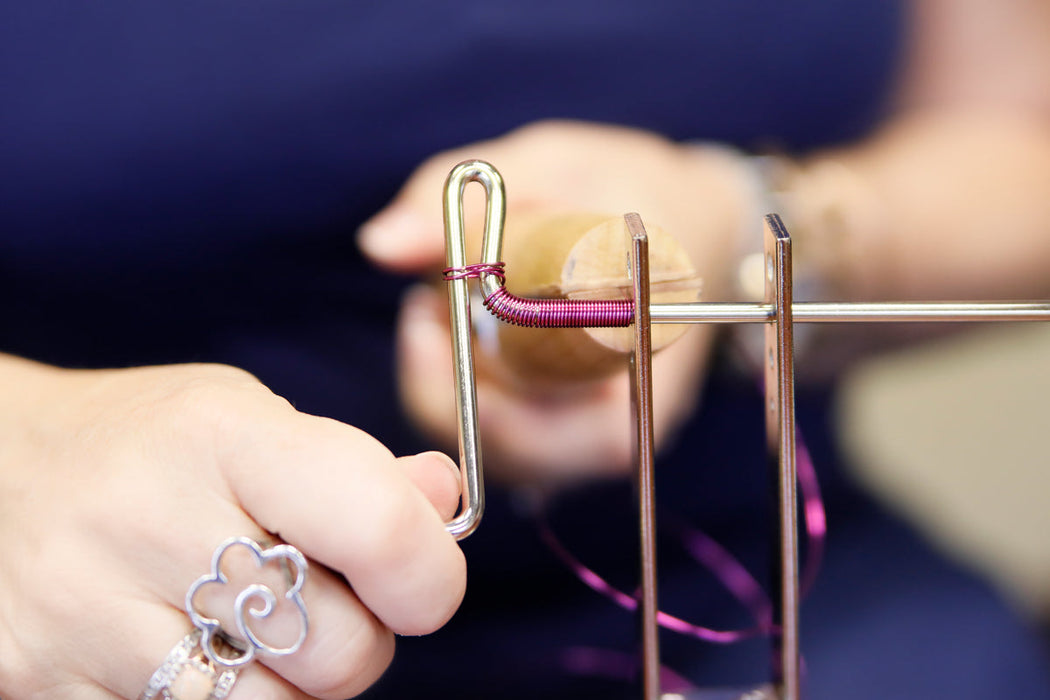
{"points": [[546, 313], [559, 313]]}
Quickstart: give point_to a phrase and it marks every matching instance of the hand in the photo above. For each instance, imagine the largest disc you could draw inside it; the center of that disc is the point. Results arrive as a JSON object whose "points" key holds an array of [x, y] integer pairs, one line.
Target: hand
{"points": [[699, 195], [116, 486]]}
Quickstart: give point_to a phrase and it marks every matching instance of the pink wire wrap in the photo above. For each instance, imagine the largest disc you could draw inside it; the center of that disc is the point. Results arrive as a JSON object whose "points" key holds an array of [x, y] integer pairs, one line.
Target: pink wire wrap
{"points": [[475, 271], [546, 313]]}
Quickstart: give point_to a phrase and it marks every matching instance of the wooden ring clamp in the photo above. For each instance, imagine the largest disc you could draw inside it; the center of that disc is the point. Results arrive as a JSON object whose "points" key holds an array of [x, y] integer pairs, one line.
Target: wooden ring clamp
{"points": [[778, 312]]}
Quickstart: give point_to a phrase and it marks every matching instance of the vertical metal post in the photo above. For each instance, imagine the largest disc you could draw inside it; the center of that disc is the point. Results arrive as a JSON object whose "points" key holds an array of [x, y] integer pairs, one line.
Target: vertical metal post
{"points": [[642, 396], [779, 364]]}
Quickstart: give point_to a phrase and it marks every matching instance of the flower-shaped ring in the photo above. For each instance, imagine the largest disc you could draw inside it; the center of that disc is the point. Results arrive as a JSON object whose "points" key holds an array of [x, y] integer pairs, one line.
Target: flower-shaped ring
{"points": [[295, 566]]}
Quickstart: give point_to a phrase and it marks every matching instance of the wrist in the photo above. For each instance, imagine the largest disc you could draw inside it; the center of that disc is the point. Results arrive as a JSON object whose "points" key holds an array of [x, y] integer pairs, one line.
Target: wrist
{"points": [[741, 191], [830, 213]]}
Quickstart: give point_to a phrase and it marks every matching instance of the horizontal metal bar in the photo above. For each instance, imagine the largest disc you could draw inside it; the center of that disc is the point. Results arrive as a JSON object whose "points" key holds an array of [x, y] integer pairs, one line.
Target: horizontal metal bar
{"points": [[849, 312]]}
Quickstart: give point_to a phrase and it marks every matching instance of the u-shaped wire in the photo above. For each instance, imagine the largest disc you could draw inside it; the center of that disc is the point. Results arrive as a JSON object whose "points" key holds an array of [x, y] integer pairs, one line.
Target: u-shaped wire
{"points": [[471, 475], [535, 313]]}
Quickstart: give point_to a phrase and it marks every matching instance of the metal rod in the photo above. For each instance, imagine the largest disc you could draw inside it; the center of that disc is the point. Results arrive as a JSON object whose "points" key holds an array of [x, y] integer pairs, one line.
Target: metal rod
{"points": [[780, 443], [850, 312], [642, 395]]}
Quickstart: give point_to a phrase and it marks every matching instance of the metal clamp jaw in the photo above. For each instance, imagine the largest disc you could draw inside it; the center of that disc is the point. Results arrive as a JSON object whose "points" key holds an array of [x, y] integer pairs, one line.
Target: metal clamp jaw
{"points": [[779, 312]]}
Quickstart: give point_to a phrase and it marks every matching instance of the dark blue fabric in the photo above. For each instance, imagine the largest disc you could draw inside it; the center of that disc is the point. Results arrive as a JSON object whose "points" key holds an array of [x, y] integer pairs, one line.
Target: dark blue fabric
{"points": [[182, 181]]}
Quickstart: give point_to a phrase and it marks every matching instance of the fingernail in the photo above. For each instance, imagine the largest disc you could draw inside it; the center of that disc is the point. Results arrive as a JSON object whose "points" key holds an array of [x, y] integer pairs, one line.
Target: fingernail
{"points": [[390, 234]]}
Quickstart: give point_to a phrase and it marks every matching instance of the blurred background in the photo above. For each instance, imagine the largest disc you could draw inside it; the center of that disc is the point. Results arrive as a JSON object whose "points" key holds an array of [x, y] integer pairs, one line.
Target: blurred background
{"points": [[952, 435]]}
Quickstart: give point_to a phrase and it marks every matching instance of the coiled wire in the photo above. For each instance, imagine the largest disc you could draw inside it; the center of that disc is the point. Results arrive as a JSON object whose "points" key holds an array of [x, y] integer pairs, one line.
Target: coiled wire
{"points": [[545, 313]]}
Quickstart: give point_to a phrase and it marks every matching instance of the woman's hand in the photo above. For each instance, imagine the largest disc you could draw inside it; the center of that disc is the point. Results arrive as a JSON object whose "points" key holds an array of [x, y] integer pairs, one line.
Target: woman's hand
{"points": [[702, 196], [116, 486]]}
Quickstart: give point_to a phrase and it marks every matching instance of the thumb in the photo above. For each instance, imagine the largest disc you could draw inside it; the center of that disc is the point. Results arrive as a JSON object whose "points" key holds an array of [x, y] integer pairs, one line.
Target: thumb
{"points": [[408, 236], [401, 238], [437, 476]]}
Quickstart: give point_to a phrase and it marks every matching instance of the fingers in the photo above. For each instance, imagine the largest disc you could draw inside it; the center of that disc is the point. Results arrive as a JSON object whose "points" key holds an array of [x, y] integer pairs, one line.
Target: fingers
{"points": [[260, 683], [365, 518], [559, 166], [342, 498], [167, 627], [345, 649], [404, 239], [408, 234], [372, 525], [179, 460], [145, 633]]}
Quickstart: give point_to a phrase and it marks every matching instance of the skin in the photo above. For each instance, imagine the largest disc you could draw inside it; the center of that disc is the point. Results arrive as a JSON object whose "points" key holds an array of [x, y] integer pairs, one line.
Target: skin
{"points": [[96, 572]]}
